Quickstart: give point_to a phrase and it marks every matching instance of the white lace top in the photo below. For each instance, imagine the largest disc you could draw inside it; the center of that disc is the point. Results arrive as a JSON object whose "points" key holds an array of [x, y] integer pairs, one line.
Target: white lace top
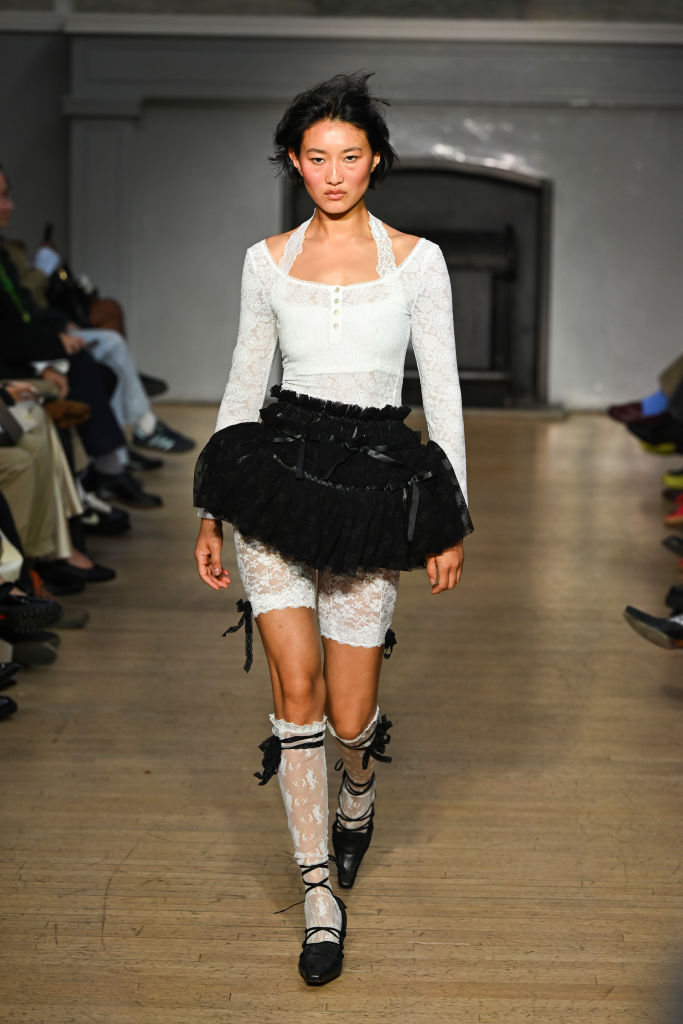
{"points": [[347, 343]]}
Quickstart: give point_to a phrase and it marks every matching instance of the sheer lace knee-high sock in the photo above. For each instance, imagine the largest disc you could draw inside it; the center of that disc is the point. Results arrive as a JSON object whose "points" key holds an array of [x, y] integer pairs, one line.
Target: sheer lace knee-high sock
{"points": [[357, 791], [302, 774]]}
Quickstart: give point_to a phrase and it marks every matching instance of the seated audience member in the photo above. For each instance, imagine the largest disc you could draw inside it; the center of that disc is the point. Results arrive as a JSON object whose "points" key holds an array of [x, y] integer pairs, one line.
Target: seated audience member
{"points": [[130, 402], [36, 341], [37, 483]]}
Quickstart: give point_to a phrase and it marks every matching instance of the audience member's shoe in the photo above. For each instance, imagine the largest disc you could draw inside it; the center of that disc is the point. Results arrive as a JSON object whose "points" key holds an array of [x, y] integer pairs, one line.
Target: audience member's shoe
{"points": [[124, 487], [672, 494], [663, 632], [629, 412], [140, 463], [71, 617], [20, 613], [675, 517], [8, 670], [58, 572], [7, 707], [675, 544], [99, 517], [163, 439], [674, 478], [154, 386], [674, 599], [30, 651], [661, 434]]}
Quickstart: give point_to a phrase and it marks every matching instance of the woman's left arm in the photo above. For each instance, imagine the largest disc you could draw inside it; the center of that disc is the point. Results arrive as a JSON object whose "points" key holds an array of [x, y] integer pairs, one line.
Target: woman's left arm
{"points": [[434, 345]]}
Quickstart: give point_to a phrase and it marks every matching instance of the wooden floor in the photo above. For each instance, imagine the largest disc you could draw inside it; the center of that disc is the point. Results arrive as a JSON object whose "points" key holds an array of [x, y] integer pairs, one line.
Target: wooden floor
{"points": [[527, 856]]}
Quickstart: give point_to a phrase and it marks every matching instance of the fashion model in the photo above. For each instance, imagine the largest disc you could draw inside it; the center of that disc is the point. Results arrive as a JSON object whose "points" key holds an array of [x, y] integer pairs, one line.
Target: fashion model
{"points": [[330, 494]]}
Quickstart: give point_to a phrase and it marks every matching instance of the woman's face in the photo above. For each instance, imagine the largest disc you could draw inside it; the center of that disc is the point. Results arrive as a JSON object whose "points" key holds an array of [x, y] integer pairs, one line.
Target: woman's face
{"points": [[335, 162]]}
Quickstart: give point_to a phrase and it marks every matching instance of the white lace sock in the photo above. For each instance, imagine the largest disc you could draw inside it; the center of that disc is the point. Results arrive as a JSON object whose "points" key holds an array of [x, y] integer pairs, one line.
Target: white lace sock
{"points": [[357, 791], [302, 775]]}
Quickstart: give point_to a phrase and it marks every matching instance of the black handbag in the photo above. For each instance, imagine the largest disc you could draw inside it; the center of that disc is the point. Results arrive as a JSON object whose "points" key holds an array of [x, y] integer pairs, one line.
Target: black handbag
{"points": [[64, 292]]}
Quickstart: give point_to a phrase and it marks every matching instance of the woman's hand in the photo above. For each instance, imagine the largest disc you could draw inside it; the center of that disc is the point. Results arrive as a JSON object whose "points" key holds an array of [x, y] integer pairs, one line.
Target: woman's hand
{"points": [[21, 391], [72, 343], [444, 570], [207, 554]]}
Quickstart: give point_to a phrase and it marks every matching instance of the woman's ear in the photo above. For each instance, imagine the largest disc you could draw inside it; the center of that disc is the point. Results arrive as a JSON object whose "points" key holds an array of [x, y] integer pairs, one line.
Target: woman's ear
{"points": [[294, 158], [375, 160]]}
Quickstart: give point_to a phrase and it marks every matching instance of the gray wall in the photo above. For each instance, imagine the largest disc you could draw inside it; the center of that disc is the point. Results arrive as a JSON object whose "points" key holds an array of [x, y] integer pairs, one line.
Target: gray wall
{"points": [[174, 134], [33, 80]]}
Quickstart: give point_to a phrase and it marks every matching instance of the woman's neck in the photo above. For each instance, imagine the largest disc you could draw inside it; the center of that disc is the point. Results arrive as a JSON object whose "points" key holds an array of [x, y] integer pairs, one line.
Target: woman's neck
{"points": [[337, 227]]}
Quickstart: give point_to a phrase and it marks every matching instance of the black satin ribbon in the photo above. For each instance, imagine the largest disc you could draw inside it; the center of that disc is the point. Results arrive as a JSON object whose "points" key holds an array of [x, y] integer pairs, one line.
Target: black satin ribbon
{"points": [[378, 452], [390, 642], [247, 621], [378, 744], [272, 752]]}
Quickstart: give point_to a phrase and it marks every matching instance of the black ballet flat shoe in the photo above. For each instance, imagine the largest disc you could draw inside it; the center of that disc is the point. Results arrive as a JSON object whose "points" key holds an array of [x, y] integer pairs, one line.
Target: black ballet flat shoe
{"points": [[350, 846], [320, 962]]}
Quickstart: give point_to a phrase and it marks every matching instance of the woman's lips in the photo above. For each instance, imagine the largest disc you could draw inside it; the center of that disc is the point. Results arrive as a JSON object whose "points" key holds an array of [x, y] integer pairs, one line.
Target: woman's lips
{"points": [[334, 195]]}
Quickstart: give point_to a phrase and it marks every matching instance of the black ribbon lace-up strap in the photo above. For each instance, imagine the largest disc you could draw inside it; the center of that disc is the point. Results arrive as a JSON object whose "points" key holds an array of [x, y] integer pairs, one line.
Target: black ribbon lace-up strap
{"points": [[378, 744], [273, 746], [390, 642], [355, 789], [246, 620]]}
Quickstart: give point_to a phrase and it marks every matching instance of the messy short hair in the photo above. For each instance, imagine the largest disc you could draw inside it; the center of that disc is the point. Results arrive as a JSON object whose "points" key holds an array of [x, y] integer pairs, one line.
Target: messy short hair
{"points": [[343, 98]]}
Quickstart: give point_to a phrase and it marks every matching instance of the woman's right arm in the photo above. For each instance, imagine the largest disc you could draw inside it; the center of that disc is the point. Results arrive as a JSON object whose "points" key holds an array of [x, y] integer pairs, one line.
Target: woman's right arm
{"points": [[242, 401]]}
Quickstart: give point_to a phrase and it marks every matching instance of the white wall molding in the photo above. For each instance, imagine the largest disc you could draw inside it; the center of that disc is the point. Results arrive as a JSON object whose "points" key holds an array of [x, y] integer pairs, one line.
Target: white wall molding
{"points": [[277, 27]]}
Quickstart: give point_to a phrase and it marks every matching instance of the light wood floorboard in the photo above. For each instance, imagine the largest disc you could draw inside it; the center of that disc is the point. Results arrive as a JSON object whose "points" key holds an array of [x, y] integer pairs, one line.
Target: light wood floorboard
{"points": [[526, 865]]}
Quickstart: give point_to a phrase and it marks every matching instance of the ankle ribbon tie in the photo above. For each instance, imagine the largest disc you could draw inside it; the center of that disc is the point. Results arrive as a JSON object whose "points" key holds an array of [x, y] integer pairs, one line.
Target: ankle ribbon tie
{"points": [[247, 621]]}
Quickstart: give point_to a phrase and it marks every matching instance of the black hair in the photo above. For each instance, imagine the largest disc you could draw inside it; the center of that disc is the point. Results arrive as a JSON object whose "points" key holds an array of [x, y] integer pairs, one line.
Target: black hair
{"points": [[342, 98]]}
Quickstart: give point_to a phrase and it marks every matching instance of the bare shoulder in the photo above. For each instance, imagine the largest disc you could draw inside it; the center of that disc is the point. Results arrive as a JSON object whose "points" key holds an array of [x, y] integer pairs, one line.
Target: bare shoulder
{"points": [[276, 244], [402, 243]]}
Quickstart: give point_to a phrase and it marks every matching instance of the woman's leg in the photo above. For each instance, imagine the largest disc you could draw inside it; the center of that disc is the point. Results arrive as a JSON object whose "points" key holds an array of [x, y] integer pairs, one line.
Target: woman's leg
{"points": [[355, 614], [282, 596]]}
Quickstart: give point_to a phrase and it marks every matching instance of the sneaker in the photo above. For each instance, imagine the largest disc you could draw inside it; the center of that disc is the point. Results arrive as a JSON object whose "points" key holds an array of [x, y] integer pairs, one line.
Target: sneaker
{"points": [[21, 614], [163, 439], [99, 516], [675, 518], [673, 479]]}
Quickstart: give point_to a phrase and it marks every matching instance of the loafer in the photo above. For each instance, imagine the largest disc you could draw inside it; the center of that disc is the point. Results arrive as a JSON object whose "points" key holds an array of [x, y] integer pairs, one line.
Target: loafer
{"points": [[142, 463], [33, 652], [350, 846], [61, 572], [663, 632], [124, 487]]}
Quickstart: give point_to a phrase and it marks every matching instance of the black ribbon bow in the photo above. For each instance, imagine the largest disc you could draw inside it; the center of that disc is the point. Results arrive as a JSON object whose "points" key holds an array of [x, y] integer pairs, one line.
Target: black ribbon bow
{"points": [[246, 620], [272, 751], [390, 642], [378, 743]]}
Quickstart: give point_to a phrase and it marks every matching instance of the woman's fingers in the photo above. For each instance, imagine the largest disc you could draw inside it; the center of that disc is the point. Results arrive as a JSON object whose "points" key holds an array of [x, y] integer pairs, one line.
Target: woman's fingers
{"points": [[207, 555], [445, 570]]}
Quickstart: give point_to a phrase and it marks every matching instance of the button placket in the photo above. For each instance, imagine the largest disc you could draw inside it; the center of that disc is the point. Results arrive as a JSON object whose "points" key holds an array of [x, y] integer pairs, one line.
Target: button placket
{"points": [[335, 314]]}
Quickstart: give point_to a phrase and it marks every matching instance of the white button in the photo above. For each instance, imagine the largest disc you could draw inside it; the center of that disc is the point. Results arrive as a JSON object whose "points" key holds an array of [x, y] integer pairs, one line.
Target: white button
{"points": [[337, 288], [335, 325], [336, 312], [336, 300]]}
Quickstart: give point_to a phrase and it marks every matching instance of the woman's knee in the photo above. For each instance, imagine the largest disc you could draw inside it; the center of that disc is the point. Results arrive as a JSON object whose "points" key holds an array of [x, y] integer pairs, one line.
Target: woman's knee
{"points": [[301, 695]]}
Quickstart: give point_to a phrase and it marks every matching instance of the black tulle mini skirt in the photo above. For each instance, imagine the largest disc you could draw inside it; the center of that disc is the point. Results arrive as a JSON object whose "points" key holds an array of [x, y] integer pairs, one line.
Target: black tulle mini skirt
{"points": [[335, 486]]}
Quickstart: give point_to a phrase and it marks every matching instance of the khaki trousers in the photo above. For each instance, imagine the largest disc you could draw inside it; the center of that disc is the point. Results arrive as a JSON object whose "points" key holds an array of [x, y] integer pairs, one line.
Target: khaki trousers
{"points": [[36, 481]]}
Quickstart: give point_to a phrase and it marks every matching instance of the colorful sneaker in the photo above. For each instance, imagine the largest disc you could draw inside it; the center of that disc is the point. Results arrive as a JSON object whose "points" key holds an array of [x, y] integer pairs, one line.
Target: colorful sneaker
{"points": [[675, 518], [163, 439], [674, 479]]}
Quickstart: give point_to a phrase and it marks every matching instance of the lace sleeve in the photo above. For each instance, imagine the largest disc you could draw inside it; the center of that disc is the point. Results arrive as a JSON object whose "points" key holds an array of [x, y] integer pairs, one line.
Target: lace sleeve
{"points": [[434, 346], [253, 356]]}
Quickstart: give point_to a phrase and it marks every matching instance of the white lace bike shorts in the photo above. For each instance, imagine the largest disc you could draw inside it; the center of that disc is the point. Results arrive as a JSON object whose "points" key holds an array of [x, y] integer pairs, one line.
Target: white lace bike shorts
{"points": [[355, 610]]}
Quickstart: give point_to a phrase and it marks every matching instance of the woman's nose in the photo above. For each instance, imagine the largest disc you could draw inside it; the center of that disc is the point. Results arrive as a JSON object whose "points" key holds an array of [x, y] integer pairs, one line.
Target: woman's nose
{"points": [[334, 173]]}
